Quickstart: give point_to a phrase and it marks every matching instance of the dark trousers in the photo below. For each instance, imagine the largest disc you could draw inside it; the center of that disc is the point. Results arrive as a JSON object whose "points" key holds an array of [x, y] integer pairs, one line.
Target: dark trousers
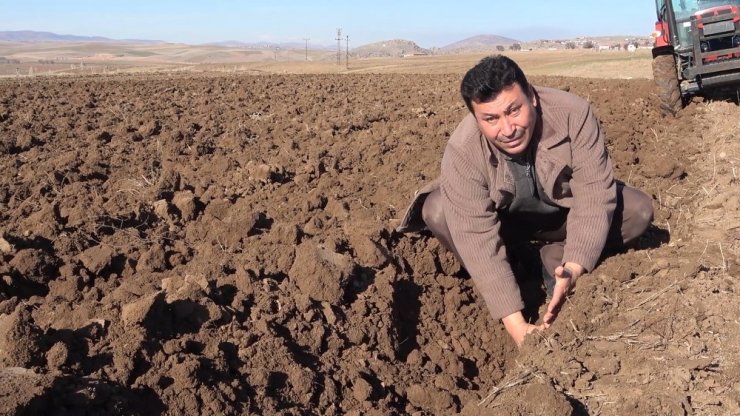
{"points": [[632, 216]]}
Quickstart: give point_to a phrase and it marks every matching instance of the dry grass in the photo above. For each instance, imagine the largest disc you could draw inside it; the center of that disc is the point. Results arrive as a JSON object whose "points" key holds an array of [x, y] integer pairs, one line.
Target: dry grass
{"points": [[79, 59], [588, 64]]}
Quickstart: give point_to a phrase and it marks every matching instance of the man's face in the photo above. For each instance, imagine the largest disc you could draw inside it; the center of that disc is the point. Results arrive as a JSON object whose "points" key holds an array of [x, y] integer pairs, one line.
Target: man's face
{"points": [[509, 120]]}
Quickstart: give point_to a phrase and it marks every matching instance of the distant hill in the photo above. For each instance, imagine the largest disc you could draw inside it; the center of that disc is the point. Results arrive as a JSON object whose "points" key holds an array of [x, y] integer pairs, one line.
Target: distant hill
{"points": [[478, 43], [389, 48], [33, 46], [34, 36]]}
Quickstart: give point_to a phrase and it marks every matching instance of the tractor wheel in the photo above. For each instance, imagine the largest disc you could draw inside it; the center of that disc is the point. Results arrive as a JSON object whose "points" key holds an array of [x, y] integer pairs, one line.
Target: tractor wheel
{"points": [[666, 79]]}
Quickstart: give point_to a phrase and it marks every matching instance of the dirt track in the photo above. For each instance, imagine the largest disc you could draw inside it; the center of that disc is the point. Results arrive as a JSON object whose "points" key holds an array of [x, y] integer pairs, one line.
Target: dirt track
{"points": [[225, 245]]}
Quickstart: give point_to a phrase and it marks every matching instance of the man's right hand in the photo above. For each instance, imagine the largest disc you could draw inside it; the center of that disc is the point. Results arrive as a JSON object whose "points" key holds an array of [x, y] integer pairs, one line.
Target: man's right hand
{"points": [[518, 328], [565, 280]]}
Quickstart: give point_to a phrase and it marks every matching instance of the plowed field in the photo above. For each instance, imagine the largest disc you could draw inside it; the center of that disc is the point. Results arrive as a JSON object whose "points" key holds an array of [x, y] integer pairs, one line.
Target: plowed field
{"points": [[224, 244]]}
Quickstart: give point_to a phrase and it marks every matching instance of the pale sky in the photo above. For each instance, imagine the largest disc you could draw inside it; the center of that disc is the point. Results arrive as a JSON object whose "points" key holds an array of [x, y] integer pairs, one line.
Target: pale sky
{"points": [[428, 23]]}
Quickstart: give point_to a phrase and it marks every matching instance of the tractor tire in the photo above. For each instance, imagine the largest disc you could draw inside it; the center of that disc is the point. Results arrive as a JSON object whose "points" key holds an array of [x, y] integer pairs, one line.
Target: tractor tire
{"points": [[666, 79]]}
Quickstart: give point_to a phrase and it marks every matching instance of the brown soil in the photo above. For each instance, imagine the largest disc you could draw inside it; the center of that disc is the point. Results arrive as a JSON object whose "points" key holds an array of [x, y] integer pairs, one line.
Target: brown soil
{"points": [[225, 245]]}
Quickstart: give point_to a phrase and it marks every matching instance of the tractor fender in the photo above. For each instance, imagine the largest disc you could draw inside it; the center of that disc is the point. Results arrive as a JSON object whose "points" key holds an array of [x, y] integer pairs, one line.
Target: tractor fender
{"points": [[662, 50]]}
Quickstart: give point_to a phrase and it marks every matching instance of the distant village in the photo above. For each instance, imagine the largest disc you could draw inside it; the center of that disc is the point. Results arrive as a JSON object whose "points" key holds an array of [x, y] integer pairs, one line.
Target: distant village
{"points": [[596, 44], [629, 44]]}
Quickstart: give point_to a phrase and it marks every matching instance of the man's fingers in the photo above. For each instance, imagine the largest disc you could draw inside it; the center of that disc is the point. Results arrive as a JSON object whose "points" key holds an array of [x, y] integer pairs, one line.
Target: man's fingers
{"points": [[563, 284], [558, 295], [552, 312], [559, 272], [563, 273], [558, 298]]}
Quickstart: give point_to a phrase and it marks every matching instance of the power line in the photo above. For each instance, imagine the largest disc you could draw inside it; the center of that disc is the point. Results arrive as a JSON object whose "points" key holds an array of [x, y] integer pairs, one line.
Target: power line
{"points": [[346, 61], [306, 39], [339, 46]]}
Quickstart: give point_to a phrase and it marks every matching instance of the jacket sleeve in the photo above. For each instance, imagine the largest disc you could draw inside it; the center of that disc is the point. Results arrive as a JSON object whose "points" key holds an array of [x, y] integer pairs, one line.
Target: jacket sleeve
{"points": [[594, 191], [474, 226]]}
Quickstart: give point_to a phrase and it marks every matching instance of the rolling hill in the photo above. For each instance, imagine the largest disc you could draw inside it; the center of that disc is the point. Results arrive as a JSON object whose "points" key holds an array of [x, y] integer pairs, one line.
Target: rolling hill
{"points": [[34, 36], [389, 48], [477, 44]]}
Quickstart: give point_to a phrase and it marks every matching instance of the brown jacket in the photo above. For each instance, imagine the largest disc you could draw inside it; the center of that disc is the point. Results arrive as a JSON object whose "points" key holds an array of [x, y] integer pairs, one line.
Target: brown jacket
{"points": [[574, 169]]}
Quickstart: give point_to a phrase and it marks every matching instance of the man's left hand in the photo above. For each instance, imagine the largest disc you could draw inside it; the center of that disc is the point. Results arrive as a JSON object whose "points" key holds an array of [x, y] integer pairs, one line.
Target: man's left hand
{"points": [[565, 279]]}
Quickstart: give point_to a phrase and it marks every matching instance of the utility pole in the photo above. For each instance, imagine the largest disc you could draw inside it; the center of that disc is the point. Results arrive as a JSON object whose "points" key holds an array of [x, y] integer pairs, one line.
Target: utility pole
{"points": [[346, 61], [339, 46], [306, 39]]}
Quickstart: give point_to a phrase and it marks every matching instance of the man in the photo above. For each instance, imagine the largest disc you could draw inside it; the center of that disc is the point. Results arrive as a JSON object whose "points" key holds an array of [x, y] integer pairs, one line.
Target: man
{"points": [[527, 163]]}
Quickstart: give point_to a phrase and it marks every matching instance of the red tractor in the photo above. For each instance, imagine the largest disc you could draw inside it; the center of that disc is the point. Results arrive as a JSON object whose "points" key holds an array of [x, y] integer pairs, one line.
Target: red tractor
{"points": [[697, 49]]}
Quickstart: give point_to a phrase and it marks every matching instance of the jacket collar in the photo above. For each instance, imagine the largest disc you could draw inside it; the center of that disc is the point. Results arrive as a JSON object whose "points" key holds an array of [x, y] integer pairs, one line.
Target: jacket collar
{"points": [[553, 121]]}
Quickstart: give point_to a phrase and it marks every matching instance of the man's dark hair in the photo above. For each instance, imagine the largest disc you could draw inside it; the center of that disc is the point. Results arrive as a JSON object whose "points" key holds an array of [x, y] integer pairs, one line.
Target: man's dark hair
{"points": [[484, 82]]}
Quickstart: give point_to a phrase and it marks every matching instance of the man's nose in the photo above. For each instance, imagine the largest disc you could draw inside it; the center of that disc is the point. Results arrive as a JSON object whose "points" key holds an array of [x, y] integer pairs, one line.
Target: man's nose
{"points": [[507, 127]]}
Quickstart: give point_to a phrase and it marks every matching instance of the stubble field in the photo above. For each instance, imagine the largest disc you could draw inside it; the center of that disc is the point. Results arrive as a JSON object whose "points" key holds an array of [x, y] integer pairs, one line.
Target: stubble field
{"points": [[224, 244]]}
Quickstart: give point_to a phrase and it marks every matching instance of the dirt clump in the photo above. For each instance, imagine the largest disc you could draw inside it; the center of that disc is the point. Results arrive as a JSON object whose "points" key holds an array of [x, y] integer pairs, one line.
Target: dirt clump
{"points": [[20, 345]]}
